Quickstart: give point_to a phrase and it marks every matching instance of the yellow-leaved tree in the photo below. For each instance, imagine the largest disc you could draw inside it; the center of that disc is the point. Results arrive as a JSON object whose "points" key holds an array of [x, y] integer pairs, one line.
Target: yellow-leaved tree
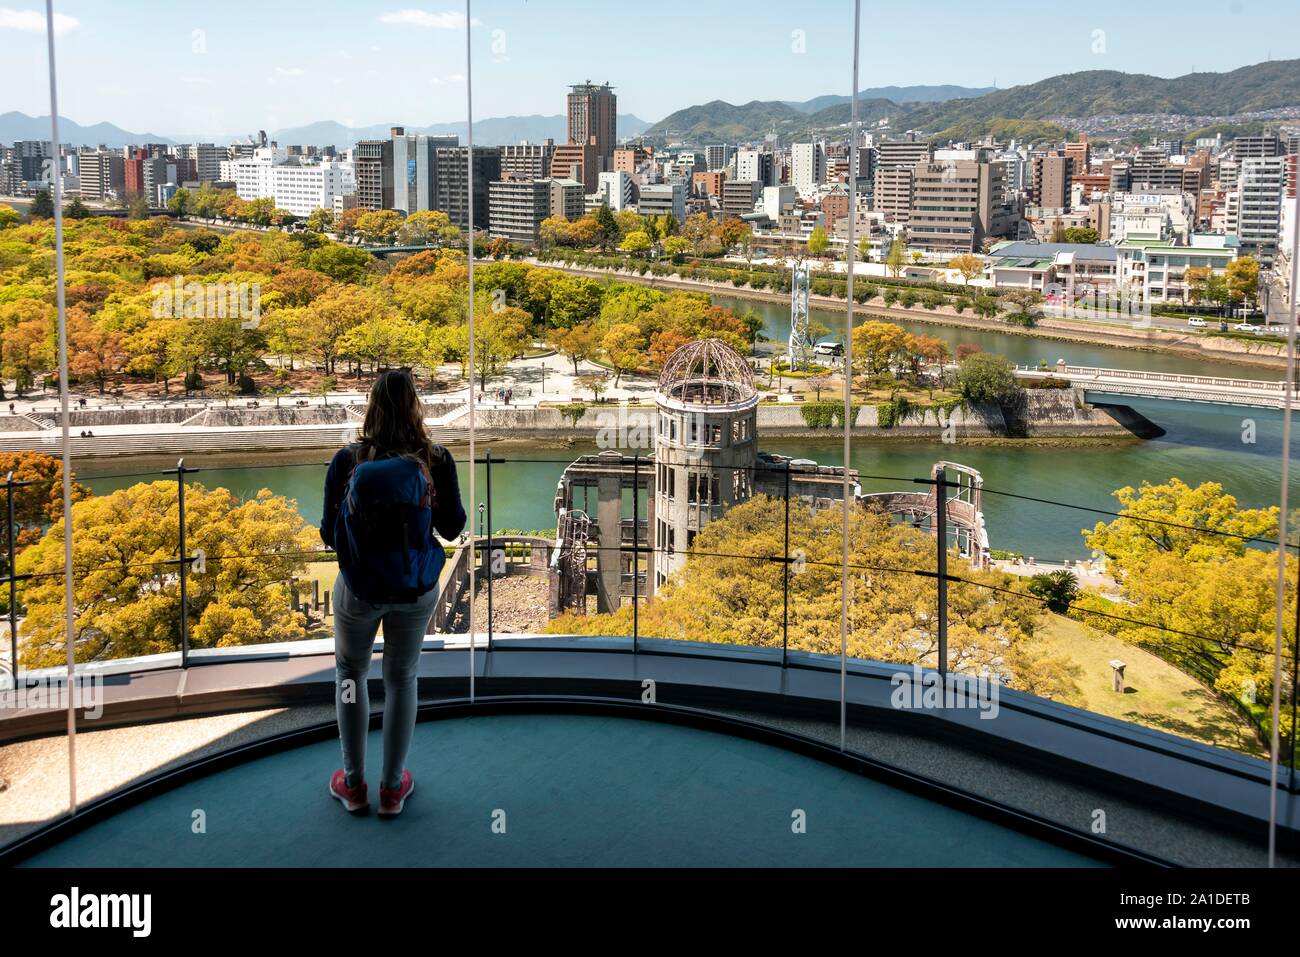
{"points": [[731, 591], [127, 586]]}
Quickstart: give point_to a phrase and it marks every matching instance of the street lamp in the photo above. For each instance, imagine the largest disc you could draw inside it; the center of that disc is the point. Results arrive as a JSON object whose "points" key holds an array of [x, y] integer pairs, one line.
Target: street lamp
{"points": [[481, 508], [543, 379]]}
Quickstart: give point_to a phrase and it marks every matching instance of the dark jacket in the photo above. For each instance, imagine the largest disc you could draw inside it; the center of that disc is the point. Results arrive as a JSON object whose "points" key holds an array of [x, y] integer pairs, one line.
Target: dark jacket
{"points": [[448, 514]]}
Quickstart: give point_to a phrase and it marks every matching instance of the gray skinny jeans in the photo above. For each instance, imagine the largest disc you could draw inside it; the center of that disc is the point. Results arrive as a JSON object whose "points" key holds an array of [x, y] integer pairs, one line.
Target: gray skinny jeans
{"points": [[355, 623]]}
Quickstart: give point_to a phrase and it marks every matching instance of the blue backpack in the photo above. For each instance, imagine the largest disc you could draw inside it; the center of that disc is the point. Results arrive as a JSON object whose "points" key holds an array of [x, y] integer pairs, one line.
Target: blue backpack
{"points": [[386, 519]]}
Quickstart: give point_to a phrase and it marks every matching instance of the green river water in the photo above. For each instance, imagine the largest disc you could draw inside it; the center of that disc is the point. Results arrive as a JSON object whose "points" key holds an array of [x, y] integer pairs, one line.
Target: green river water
{"points": [[1203, 443]]}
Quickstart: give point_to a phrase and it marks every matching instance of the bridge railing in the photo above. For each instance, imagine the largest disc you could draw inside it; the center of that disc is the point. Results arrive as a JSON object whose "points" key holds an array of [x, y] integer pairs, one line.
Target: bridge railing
{"points": [[1138, 375]]}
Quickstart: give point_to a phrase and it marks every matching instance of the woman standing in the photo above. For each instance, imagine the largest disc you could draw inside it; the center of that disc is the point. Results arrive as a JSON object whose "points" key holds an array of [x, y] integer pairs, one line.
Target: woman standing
{"points": [[385, 496]]}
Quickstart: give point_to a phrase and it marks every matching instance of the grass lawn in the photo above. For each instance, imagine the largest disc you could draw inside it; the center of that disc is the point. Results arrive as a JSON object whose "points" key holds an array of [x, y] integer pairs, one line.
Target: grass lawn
{"points": [[1157, 695]]}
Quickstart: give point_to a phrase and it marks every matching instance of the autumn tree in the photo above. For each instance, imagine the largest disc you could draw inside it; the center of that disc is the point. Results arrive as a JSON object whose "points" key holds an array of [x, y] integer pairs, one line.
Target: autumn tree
{"points": [[576, 343], [818, 242], [127, 595], [878, 345], [969, 266], [341, 263], [731, 591], [896, 259], [332, 315], [625, 347], [93, 352], [39, 502], [636, 243], [379, 226]]}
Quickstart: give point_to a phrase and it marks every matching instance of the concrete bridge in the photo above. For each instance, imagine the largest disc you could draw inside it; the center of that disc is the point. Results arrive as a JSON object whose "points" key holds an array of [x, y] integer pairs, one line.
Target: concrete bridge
{"points": [[1135, 383]]}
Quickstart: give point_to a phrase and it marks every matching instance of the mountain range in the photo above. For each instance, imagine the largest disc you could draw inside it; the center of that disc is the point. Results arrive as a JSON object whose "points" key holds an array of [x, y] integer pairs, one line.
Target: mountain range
{"points": [[1030, 111], [492, 131], [895, 94], [19, 126]]}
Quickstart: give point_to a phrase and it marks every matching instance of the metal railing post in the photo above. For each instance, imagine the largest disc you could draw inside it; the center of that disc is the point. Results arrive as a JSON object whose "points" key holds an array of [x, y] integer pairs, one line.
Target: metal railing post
{"points": [[10, 485], [183, 559], [487, 461], [785, 575], [636, 549], [941, 537]]}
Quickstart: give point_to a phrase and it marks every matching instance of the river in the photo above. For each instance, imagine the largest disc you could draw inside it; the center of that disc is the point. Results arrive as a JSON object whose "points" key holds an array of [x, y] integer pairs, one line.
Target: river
{"points": [[1020, 349], [1203, 443]]}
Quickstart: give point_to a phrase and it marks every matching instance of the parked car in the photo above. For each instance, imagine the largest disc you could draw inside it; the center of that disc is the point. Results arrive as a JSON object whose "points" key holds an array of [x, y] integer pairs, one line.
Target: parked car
{"points": [[1194, 321], [828, 349], [1247, 327]]}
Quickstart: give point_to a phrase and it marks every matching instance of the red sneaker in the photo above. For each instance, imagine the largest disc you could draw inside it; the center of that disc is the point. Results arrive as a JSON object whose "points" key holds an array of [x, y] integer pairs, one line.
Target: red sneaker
{"points": [[353, 798], [391, 800]]}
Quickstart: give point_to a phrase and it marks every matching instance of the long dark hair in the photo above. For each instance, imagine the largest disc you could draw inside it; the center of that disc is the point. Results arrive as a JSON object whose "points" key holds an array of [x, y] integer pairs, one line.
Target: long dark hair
{"points": [[394, 422]]}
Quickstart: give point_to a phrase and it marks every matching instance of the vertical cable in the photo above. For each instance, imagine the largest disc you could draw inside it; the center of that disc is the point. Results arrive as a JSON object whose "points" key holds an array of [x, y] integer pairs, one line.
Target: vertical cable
{"points": [[469, 258], [57, 195], [1288, 394], [848, 373]]}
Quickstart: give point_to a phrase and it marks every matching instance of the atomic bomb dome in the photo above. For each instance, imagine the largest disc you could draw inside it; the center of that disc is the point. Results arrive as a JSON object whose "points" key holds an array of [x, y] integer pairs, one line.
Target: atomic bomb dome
{"points": [[707, 372]]}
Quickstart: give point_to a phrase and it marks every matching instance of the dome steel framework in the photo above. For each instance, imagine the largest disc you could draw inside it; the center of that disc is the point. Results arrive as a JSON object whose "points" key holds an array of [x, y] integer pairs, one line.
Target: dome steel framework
{"points": [[707, 372]]}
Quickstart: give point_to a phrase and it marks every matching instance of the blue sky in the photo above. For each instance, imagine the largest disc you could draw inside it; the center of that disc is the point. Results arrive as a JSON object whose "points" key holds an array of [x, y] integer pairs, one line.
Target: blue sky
{"points": [[176, 67]]}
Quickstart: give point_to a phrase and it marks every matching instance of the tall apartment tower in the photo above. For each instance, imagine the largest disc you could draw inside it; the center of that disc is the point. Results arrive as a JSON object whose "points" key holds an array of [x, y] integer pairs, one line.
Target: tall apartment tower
{"points": [[1257, 147], [593, 132], [1050, 183], [1260, 186], [755, 166], [957, 203], [373, 162], [807, 165], [414, 173]]}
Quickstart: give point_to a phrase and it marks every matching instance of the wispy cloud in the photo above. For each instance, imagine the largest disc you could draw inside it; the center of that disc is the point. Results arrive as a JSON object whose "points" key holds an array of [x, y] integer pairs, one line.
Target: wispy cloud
{"points": [[289, 71], [453, 78], [33, 21], [443, 20]]}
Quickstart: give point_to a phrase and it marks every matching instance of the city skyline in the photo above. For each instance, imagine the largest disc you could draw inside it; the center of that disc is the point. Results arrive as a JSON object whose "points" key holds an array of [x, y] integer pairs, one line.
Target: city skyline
{"points": [[407, 64]]}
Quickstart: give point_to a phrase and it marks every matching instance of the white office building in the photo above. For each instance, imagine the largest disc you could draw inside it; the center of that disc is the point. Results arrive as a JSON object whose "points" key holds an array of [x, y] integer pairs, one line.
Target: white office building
{"points": [[297, 187], [1258, 213], [615, 189], [663, 199], [808, 166]]}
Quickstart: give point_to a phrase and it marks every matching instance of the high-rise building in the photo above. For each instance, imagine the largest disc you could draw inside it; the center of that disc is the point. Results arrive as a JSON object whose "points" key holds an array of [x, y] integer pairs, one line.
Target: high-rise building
{"points": [[452, 187], [529, 160], [615, 189], [372, 162], [663, 199], [901, 152], [808, 165], [297, 184], [415, 169], [739, 197], [593, 120], [756, 166], [718, 155], [1050, 177], [956, 202], [31, 157], [207, 159], [892, 193], [517, 206], [566, 198], [103, 175], [1260, 186], [1264, 146], [1078, 154], [578, 161]]}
